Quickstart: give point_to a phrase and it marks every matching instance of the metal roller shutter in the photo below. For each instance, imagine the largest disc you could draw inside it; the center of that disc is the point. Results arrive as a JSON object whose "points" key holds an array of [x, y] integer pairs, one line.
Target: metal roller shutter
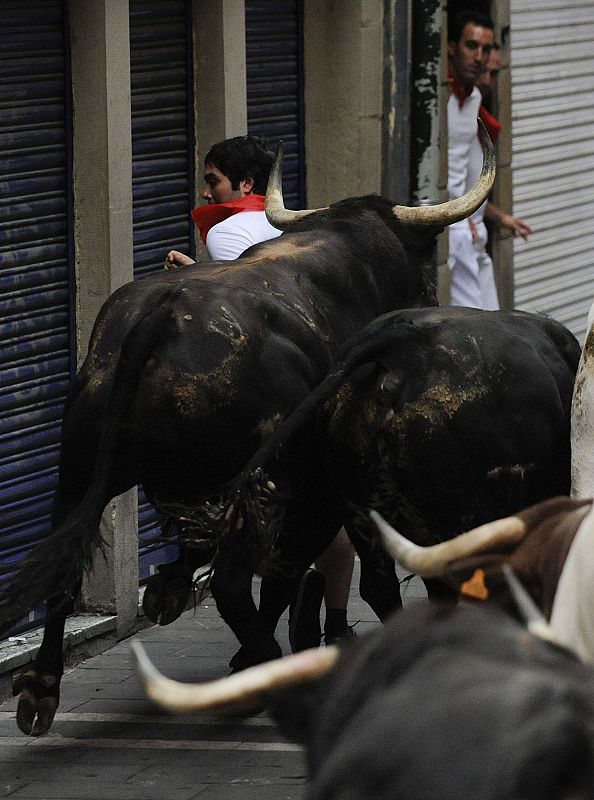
{"points": [[162, 163], [274, 56], [552, 63], [36, 353]]}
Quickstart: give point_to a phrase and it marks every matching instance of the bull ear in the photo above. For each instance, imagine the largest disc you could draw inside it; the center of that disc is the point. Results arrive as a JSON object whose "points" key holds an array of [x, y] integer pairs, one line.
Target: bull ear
{"points": [[533, 616], [274, 206], [242, 688]]}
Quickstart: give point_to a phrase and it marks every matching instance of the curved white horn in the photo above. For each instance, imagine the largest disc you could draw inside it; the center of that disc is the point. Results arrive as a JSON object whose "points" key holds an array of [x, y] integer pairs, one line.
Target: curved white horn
{"points": [[274, 205], [533, 616], [239, 688], [432, 562], [452, 211]]}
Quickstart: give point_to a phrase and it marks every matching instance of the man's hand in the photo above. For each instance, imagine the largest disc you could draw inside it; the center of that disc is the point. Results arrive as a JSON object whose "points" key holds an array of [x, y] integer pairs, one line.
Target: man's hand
{"points": [[503, 220], [517, 226], [176, 259]]}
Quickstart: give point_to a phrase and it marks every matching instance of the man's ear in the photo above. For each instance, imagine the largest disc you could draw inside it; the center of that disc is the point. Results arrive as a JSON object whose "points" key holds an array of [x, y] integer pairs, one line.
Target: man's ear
{"points": [[451, 48], [246, 185]]}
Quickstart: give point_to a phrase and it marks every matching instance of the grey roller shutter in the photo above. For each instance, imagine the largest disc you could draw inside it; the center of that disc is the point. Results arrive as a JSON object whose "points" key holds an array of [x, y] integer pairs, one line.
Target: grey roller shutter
{"points": [[36, 352], [274, 57], [162, 162], [553, 156]]}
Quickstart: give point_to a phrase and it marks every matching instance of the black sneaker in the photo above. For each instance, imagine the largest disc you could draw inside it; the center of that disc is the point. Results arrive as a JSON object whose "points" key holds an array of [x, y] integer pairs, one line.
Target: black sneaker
{"points": [[347, 635], [304, 614]]}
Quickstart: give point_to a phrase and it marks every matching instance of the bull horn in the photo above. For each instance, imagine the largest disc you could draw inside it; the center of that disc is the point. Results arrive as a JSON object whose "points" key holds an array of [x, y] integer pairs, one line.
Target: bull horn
{"points": [[240, 688], [274, 206], [452, 211], [533, 616], [433, 562]]}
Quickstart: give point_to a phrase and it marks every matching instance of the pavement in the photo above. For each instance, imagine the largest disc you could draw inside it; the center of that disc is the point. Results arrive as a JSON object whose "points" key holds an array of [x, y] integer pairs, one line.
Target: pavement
{"points": [[108, 742]]}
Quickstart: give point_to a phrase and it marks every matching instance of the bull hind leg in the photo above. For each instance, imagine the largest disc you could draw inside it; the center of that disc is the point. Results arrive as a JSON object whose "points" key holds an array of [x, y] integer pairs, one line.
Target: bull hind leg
{"points": [[168, 592], [379, 586], [277, 593], [93, 469], [231, 588], [38, 685], [305, 537], [54, 571]]}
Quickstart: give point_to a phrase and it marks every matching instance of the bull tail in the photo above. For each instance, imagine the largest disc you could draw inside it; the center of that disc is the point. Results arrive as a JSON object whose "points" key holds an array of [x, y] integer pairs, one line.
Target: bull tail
{"points": [[54, 567], [252, 496], [367, 346]]}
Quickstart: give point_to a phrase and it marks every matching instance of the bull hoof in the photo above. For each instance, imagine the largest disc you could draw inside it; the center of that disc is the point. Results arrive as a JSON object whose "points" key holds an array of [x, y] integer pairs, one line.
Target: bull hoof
{"points": [[152, 600], [38, 702], [166, 598]]}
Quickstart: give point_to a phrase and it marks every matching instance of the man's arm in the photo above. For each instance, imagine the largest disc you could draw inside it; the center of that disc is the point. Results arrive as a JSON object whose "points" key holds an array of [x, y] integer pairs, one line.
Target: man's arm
{"points": [[176, 259], [503, 220]]}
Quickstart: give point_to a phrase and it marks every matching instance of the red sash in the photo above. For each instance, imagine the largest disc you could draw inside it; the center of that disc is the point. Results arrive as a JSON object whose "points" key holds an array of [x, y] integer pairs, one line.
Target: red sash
{"points": [[212, 213], [492, 125]]}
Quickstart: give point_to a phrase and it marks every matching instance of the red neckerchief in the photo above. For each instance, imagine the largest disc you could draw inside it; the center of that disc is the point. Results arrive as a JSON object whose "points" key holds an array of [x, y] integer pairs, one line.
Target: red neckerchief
{"points": [[461, 93], [492, 125], [211, 214]]}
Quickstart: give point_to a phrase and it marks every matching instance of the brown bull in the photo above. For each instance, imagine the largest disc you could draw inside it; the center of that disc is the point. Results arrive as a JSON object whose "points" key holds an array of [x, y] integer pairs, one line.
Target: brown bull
{"points": [[549, 546]]}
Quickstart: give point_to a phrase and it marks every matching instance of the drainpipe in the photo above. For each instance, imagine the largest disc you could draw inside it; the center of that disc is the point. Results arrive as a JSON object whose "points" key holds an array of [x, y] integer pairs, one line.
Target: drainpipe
{"points": [[426, 104], [426, 82], [396, 102], [414, 106]]}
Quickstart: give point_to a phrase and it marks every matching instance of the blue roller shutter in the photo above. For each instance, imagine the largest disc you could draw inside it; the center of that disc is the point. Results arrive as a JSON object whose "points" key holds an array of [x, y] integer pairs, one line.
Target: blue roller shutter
{"points": [[36, 351], [274, 56], [162, 162]]}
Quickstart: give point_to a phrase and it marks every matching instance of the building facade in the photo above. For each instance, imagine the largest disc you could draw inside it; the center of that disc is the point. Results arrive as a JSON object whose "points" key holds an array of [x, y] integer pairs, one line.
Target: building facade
{"points": [[108, 107]]}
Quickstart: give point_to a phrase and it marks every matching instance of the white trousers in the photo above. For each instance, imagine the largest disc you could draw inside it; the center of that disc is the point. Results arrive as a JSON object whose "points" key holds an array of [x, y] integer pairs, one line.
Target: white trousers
{"points": [[471, 269]]}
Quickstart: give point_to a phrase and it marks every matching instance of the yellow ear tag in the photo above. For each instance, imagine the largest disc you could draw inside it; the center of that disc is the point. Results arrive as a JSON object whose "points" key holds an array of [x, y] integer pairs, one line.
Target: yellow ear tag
{"points": [[475, 587]]}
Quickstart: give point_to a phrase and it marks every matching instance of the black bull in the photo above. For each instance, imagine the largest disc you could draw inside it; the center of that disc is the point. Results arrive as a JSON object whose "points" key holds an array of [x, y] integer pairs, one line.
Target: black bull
{"points": [[187, 374], [441, 702], [441, 419]]}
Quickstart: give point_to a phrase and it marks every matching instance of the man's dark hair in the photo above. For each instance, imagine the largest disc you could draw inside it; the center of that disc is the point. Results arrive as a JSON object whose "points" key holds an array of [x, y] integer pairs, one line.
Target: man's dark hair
{"points": [[242, 157], [462, 18]]}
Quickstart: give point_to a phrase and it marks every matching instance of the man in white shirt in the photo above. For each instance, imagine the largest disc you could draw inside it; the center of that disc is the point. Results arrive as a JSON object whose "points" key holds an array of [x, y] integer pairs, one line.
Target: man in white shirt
{"points": [[235, 176], [471, 269], [486, 83]]}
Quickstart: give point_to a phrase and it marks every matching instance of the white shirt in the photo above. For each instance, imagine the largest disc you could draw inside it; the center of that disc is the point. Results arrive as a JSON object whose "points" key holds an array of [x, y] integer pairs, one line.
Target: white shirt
{"points": [[465, 155], [228, 239]]}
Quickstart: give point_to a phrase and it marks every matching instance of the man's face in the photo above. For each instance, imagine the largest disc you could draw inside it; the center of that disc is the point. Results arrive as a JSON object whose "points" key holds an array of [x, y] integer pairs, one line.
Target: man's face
{"points": [[218, 188], [486, 81], [470, 54]]}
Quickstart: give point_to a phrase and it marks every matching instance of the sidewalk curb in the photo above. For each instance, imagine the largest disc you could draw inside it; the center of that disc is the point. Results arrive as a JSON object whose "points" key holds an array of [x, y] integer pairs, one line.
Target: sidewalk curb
{"points": [[86, 635]]}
